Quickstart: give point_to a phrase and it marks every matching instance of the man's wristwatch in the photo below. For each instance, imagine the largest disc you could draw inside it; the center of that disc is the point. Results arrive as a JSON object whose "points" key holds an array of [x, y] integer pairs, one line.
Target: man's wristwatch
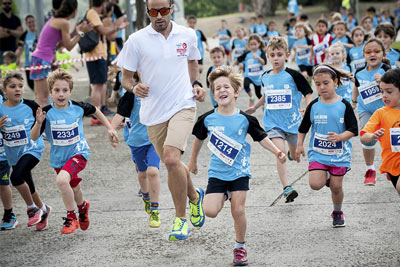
{"points": [[81, 34], [197, 82]]}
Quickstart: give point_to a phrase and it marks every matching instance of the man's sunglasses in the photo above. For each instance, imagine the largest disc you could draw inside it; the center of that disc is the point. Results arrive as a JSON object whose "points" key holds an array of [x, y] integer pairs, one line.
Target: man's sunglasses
{"points": [[7, 3], [163, 11]]}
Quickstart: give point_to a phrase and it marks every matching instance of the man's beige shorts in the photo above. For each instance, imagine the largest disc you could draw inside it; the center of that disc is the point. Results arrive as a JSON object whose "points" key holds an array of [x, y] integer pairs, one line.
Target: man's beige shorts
{"points": [[175, 132]]}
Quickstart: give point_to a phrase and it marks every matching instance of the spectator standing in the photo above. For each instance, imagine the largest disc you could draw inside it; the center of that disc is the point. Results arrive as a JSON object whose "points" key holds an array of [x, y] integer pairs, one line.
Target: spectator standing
{"points": [[10, 29]]}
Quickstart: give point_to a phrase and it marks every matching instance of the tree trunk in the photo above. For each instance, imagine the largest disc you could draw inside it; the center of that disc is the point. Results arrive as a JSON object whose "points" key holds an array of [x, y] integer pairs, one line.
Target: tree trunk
{"points": [[265, 7], [140, 15]]}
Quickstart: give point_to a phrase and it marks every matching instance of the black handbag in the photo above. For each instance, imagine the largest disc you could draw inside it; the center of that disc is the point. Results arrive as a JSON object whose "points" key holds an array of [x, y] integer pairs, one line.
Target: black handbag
{"points": [[89, 41]]}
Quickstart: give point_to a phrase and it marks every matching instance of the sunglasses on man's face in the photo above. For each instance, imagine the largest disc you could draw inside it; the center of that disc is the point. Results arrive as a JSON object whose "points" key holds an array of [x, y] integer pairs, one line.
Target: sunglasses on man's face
{"points": [[163, 11], [7, 3]]}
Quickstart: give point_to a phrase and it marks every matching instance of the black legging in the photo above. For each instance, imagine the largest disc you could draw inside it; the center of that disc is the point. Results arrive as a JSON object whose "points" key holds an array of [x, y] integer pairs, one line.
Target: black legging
{"points": [[257, 88], [394, 179], [21, 172], [28, 79]]}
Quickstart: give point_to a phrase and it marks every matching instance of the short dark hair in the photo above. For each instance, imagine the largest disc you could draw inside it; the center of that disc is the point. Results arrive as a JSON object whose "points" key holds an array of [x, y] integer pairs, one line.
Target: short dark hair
{"points": [[387, 28], [371, 9], [27, 16], [392, 76], [97, 3], [56, 4], [192, 17], [323, 21]]}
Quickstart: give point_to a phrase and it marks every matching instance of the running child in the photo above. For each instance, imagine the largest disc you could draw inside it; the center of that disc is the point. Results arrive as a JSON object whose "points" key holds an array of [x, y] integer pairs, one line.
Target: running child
{"points": [[368, 97], [229, 169], [340, 30], [69, 152], [357, 60], [321, 41], [239, 44], [271, 32], [332, 123], [302, 50], [224, 36], [371, 11], [384, 126], [261, 28], [9, 219], [284, 89], [351, 21], [386, 33], [252, 26], [201, 38], [368, 25], [253, 64], [217, 55], [22, 153], [337, 55], [8, 63], [144, 154], [291, 33]]}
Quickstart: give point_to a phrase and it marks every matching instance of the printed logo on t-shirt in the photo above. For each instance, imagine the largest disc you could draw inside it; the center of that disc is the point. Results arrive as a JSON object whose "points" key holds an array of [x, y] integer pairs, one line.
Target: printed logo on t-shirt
{"points": [[181, 50], [322, 119]]}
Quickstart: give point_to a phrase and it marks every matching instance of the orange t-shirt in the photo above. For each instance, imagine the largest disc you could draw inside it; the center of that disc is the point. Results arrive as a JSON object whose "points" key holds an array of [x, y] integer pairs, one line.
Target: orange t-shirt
{"points": [[101, 49], [386, 118]]}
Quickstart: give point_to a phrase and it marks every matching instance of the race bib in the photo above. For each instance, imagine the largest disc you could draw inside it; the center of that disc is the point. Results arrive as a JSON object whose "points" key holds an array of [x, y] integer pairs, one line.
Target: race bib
{"points": [[323, 146], [319, 48], [279, 99], [303, 53], [395, 139], [255, 69], [15, 136], [65, 135], [239, 51], [224, 147], [370, 92], [1, 144], [359, 63]]}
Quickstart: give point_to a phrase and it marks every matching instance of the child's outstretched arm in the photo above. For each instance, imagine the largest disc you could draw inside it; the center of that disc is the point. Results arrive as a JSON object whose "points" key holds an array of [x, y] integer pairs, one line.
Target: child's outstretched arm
{"points": [[40, 117], [197, 144], [368, 137], [300, 148], [113, 135], [116, 121], [259, 103], [267, 144]]}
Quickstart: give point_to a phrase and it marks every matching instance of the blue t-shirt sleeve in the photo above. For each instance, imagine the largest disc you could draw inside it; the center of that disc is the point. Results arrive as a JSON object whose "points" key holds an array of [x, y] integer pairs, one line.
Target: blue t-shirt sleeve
{"points": [[88, 109], [255, 130], [306, 122], [125, 104], [199, 129], [350, 119]]}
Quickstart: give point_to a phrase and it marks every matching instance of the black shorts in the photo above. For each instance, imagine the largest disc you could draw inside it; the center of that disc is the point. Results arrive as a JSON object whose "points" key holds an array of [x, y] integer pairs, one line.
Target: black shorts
{"points": [[97, 71], [393, 179], [200, 61], [220, 186], [308, 69]]}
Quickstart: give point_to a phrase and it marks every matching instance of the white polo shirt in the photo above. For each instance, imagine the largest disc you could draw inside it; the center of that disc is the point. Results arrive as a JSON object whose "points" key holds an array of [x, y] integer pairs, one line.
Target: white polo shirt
{"points": [[163, 66]]}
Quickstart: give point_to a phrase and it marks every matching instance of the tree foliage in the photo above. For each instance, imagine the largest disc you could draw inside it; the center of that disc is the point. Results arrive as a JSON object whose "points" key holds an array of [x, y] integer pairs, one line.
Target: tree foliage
{"points": [[206, 8]]}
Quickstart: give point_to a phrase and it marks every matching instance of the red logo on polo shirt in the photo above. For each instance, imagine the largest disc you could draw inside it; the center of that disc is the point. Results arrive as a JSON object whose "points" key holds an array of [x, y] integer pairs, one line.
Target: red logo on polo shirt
{"points": [[181, 50]]}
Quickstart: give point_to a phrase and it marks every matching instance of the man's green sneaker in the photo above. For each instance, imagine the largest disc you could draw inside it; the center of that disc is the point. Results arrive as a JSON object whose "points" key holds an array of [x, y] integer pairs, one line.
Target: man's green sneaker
{"points": [[180, 230], [197, 217], [146, 206], [155, 221]]}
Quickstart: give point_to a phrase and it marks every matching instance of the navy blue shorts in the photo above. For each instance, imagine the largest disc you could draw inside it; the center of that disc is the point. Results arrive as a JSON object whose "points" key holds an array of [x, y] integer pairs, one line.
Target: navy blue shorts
{"points": [[97, 71], [4, 173], [145, 156], [220, 186]]}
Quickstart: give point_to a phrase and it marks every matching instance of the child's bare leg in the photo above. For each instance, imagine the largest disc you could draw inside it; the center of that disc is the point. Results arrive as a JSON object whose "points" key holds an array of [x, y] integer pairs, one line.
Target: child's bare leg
{"points": [[6, 197], [337, 190], [213, 204], [25, 193], [37, 200], [281, 167], [143, 181], [238, 206], [317, 179], [153, 179], [63, 179], [78, 196], [369, 156]]}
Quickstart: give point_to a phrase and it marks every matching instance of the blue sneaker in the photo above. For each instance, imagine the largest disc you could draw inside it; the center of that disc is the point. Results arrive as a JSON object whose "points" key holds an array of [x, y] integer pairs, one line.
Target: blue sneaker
{"points": [[197, 217], [10, 224], [290, 194], [180, 230]]}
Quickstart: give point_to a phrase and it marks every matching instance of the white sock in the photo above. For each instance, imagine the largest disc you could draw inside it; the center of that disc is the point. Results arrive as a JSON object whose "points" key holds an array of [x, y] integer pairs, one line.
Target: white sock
{"points": [[239, 245], [44, 208], [31, 206], [370, 167]]}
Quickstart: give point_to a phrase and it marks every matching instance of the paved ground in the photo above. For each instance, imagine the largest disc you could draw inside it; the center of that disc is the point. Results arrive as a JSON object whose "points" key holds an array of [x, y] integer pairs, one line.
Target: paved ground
{"points": [[296, 234]]}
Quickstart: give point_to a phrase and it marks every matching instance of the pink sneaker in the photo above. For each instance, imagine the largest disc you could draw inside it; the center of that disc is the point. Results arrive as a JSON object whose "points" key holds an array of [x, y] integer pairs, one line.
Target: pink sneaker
{"points": [[35, 215], [42, 225], [370, 177], [240, 257]]}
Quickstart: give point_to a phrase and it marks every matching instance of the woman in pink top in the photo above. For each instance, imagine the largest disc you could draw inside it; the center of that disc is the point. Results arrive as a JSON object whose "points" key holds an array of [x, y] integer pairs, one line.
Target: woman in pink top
{"points": [[54, 31]]}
